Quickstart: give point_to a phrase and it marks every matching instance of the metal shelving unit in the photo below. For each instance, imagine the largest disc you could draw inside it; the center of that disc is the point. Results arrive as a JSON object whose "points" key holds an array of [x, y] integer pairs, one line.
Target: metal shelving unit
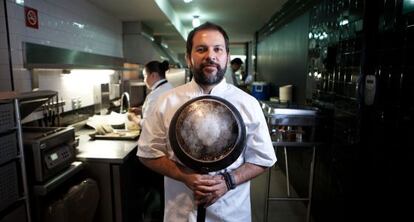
{"points": [[12, 162], [287, 126]]}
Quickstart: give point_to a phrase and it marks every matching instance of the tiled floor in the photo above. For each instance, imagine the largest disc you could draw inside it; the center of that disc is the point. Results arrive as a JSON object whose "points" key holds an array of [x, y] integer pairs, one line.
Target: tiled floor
{"points": [[280, 211]]}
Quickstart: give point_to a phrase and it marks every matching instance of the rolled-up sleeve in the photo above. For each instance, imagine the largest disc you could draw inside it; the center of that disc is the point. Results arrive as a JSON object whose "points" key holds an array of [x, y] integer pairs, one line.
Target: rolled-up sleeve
{"points": [[259, 148], [152, 142]]}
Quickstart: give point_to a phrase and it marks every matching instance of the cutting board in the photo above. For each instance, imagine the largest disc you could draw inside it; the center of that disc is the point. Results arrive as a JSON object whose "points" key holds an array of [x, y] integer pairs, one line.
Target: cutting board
{"points": [[117, 135]]}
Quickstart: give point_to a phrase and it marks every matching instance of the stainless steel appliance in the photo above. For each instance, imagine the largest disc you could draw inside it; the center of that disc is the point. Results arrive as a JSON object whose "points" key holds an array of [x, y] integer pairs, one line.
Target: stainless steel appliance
{"points": [[49, 150], [57, 183]]}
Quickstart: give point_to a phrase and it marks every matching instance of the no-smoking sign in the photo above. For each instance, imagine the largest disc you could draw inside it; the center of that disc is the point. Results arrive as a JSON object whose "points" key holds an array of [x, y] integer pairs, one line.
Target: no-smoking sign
{"points": [[31, 18]]}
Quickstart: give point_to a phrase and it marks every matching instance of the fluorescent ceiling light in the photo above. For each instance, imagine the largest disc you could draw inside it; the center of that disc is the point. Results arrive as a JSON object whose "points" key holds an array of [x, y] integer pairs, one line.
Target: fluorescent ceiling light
{"points": [[196, 21], [79, 25], [148, 36], [188, 1]]}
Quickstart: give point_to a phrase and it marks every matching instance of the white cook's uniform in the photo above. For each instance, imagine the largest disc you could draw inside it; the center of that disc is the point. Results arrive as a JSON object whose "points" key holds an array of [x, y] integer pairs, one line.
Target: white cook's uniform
{"points": [[248, 80], [154, 142], [230, 76], [160, 87]]}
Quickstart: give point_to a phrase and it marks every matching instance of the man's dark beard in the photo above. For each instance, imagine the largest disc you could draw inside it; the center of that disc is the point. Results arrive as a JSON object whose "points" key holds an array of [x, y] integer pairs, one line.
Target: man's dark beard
{"points": [[203, 79]]}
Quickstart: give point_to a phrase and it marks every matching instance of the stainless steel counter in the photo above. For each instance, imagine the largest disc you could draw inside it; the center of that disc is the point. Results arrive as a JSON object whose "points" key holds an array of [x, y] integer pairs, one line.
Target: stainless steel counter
{"points": [[109, 151], [302, 120], [112, 163]]}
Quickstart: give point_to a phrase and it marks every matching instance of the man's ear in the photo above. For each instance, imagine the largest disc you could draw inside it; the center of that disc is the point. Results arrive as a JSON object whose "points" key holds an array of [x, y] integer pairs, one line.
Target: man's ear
{"points": [[188, 59]]}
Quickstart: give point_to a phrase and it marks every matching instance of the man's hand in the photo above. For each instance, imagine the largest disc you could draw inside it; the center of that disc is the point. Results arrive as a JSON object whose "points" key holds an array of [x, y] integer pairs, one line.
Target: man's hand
{"points": [[133, 117], [135, 110], [209, 189]]}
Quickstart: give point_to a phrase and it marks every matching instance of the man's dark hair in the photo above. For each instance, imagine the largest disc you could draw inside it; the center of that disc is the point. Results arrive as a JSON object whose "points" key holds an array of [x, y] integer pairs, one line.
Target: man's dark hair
{"points": [[206, 26], [237, 61]]}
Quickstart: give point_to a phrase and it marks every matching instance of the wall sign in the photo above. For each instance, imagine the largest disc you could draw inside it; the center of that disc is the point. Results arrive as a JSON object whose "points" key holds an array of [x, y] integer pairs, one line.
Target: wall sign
{"points": [[31, 18]]}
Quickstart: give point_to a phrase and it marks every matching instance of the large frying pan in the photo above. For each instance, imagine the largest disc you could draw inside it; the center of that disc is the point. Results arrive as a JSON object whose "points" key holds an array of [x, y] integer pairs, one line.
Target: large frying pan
{"points": [[207, 134]]}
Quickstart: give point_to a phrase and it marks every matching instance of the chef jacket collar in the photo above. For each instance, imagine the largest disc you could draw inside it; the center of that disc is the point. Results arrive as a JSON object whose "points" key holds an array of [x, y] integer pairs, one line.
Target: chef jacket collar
{"points": [[157, 83], [217, 89]]}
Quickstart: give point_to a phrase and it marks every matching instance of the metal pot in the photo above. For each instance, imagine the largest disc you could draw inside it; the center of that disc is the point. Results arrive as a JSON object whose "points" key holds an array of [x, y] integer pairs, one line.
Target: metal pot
{"points": [[207, 134]]}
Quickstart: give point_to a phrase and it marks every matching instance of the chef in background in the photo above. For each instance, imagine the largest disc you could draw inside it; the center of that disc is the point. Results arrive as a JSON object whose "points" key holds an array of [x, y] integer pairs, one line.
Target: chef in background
{"points": [[232, 78], [153, 185], [154, 78], [246, 78]]}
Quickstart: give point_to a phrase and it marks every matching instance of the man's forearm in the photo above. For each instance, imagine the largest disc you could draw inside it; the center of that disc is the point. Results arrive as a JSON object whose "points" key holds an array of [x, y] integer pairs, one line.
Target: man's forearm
{"points": [[196, 182], [246, 172], [169, 168], [163, 165]]}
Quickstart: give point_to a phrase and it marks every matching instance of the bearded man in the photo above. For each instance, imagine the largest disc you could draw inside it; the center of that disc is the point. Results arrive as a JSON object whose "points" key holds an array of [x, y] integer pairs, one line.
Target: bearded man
{"points": [[207, 57]]}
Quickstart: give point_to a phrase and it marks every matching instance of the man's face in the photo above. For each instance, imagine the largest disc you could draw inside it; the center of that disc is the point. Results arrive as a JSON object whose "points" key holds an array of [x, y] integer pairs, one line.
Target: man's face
{"points": [[235, 67], [208, 59]]}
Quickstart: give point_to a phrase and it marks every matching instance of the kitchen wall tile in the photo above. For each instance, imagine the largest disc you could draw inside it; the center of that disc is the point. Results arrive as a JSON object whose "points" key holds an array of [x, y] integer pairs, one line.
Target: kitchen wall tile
{"points": [[21, 73], [16, 26], [5, 71], [22, 85], [5, 85], [3, 41], [4, 56], [57, 28], [16, 41], [74, 24], [19, 40], [70, 87], [46, 21], [2, 24], [1, 10], [17, 58], [15, 11], [40, 6], [26, 2]]}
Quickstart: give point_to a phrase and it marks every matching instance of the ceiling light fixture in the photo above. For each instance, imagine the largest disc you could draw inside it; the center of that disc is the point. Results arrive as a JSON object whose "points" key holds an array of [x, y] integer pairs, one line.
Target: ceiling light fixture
{"points": [[196, 21], [188, 1]]}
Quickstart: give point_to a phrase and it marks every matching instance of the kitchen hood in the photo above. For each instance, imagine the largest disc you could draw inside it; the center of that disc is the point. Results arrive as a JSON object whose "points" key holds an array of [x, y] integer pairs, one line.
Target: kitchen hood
{"points": [[48, 57]]}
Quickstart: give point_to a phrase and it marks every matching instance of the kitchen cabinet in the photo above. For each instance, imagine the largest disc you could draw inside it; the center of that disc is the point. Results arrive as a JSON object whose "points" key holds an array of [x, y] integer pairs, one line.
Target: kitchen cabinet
{"points": [[113, 164], [14, 201]]}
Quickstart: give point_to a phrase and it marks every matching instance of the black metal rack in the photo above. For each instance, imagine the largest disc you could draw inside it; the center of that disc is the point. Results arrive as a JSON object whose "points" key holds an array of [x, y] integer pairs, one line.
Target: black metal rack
{"points": [[12, 163]]}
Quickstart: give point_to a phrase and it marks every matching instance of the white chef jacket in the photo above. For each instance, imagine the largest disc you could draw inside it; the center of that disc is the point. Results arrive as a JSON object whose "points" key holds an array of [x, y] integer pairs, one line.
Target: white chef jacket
{"points": [[230, 76], [159, 87], [248, 80], [154, 142]]}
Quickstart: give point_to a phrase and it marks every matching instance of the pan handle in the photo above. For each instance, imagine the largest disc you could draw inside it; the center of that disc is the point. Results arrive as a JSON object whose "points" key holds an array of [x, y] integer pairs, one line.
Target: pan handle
{"points": [[201, 213]]}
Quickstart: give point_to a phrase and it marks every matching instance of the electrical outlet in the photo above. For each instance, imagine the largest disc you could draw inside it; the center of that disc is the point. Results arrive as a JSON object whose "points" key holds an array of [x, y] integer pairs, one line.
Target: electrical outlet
{"points": [[74, 103], [79, 103]]}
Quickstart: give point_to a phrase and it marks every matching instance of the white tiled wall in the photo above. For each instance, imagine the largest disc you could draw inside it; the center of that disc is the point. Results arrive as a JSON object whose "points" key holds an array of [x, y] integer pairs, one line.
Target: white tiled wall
{"points": [[59, 26], [80, 85]]}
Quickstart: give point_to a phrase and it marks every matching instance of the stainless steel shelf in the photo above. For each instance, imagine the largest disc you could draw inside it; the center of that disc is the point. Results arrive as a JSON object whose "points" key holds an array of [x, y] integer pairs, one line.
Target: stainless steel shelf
{"points": [[304, 117]]}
